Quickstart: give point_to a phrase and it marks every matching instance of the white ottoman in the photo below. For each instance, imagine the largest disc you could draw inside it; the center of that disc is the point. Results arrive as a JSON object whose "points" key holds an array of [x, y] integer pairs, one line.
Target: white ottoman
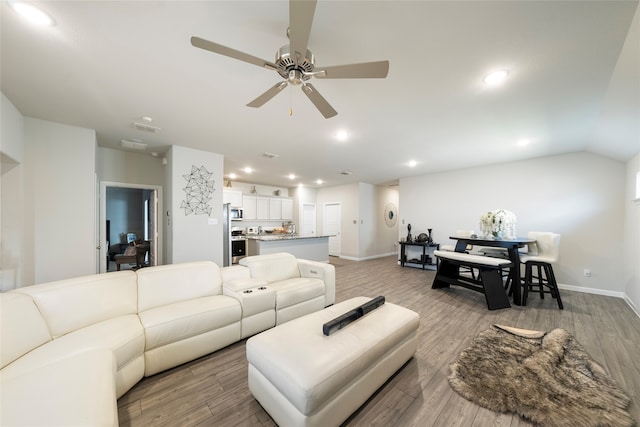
{"points": [[303, 378]]}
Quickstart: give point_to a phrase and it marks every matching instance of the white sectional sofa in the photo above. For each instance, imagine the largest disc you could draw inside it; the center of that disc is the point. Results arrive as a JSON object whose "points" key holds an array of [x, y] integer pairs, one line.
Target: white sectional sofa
{"points": [[70, 348]]}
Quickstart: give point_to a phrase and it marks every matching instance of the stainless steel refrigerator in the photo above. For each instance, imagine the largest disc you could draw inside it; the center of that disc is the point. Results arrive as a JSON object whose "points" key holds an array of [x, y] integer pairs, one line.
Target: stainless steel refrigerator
{"points": [[226, 234]]}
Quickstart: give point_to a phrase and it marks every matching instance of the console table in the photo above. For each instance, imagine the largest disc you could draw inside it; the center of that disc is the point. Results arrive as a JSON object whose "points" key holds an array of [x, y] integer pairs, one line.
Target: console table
{"points": [[424, 260]]}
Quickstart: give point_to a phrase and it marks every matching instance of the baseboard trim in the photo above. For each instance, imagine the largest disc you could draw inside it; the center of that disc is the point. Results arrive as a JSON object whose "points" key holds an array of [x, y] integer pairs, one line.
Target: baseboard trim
{"points": [[350, 258], [604, 293]]}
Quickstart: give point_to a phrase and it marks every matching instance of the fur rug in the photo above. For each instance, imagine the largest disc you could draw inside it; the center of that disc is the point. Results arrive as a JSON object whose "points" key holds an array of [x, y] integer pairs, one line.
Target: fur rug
{"points": [[546, 378]]}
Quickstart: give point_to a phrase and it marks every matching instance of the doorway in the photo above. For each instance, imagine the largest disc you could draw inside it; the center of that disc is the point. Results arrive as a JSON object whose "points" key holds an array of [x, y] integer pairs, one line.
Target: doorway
{"points": [[332, 226], [308, 225], [128, 212]]}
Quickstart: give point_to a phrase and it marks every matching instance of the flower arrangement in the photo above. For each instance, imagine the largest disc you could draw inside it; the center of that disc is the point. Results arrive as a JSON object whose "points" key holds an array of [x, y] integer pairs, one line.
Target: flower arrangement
{"points": [[498, 224]]}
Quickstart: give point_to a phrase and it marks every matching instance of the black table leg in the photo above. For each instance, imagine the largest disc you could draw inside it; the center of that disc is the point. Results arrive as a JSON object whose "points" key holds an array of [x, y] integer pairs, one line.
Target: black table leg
{"points": [[515, 274]]}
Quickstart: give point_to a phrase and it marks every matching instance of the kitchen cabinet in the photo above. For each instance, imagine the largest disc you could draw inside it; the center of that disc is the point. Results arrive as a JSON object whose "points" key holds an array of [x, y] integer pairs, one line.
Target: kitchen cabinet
{"points": [[275, 209], [287, 209], [262, 207], [250, 207], [233, 197]]}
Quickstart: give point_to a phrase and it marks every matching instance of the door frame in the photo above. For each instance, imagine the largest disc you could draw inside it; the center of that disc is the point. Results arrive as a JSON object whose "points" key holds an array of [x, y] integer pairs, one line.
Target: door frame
{"points": [[337, 237], [102, 222]]}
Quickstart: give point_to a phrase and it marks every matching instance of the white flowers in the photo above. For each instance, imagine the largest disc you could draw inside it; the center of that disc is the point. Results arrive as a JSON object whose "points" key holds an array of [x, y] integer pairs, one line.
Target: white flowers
{"points": [[499, 224]]}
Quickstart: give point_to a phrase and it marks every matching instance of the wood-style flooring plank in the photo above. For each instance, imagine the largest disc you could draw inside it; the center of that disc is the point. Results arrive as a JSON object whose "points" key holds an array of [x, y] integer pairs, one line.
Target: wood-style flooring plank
{"points": [[213, 391]]}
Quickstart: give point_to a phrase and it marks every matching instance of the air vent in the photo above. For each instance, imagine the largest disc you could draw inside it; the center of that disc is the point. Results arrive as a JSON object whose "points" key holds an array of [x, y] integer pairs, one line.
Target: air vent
{"points": [[269, 155], [145, 127], [134, 145]]}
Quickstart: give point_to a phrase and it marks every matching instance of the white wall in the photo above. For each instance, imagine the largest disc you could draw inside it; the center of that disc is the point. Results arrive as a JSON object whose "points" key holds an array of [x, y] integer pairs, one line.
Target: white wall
{"points": [[579, 195], [631, 275], [59, 201], [129, 167], [193, 237], [386, 237], [12, 191]]}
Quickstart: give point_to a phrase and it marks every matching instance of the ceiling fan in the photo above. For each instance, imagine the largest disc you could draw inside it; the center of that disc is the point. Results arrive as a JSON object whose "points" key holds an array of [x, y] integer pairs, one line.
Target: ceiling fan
{"points": [[296, 64]]}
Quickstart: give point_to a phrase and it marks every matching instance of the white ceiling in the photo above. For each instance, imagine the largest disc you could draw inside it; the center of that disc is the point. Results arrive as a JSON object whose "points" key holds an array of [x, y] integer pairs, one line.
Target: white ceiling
{"points": [[573, 84]]}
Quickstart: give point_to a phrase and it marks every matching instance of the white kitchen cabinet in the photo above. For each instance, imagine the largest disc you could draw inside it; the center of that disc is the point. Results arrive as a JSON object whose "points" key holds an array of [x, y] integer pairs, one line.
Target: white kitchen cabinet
{"points": [[262, 207], [250, 207], [287, 209], [233, 197], [275, 209]]}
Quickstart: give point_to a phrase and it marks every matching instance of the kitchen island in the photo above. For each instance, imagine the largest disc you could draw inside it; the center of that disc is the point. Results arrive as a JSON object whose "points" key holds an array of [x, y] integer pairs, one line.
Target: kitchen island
{"points": [[305, 246]]}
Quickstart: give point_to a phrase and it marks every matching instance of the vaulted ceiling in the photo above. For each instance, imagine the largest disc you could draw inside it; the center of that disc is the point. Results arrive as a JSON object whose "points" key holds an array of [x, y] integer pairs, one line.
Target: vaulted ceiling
{"points": [[573, 82]]}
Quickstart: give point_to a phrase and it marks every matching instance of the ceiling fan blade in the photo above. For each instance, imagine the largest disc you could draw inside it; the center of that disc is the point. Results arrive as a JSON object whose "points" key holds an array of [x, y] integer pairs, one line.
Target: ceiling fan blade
{"points": [[300, 20], [273, 91], [365, 70], [321, 104], [231, 53]]}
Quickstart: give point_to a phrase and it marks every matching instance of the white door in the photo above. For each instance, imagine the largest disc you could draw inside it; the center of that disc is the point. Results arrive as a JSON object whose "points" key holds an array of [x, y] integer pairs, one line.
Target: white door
{"points": [[308, 218], [332, 221]]}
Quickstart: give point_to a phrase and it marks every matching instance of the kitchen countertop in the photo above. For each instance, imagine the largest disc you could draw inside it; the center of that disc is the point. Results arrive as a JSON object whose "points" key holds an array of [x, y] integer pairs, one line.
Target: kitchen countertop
{"points": [[271, 237]]}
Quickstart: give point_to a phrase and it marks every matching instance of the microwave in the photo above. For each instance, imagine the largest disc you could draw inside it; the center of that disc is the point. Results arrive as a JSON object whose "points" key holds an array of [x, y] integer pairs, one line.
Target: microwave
{"points": [[236, 214]]}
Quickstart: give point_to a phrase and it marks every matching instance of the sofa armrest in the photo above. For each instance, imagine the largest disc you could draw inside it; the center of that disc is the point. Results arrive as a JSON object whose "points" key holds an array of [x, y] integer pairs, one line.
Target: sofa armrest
{"points": [[323, 271]]}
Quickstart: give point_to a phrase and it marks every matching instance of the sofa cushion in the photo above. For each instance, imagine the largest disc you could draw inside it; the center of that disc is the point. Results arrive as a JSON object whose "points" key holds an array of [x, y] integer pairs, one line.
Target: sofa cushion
{"points": [[167, 284], [77, 390], [174, 322], [22, 328], [122, 335], [293, 291], [272, 267], [71, 304]]}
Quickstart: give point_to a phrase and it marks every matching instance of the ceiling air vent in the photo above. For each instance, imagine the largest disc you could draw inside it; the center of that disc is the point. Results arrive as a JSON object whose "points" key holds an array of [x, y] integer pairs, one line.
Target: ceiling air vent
{"points": [[145, 127], [269, 155], [134, 145]]}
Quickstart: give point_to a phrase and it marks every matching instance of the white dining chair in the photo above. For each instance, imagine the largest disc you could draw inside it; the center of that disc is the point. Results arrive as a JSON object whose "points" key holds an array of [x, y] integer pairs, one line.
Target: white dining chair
{"points": [[548, 253]]}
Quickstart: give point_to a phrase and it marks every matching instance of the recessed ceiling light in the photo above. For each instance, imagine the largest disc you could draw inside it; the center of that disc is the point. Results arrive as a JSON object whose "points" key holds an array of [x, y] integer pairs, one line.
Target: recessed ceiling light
{"points": [[342, 135], [292, 176], [319, 182], [233, 176], [412, 163], [495, 78], [523, 142], [32, 13], [247, 170], [300, 185]]}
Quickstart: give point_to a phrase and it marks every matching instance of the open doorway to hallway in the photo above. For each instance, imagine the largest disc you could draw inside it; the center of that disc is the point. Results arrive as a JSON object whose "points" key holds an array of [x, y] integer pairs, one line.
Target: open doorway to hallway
{"points": [[129, 226]]}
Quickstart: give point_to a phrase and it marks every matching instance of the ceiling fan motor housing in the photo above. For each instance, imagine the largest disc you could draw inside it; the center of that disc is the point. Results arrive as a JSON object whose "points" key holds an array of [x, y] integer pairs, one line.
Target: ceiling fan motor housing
{"points": [[286, 64]]}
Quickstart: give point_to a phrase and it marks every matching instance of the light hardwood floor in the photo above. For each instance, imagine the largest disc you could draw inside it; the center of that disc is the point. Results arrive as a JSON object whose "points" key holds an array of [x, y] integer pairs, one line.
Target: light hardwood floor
{"points": [[212, 390]]}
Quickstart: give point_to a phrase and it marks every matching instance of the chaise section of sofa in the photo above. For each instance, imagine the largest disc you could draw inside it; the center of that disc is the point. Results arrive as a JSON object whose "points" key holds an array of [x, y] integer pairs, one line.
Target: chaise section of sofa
{"points": [[184, 313], [89, 312]]}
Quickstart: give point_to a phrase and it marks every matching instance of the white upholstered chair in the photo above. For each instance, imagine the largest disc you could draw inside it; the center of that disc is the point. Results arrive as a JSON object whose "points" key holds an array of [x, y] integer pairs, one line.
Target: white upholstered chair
{"points": [[538, 269]]}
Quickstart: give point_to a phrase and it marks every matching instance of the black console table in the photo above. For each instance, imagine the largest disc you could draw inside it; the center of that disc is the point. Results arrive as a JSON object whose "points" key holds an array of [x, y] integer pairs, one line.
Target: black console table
{"points": [[424, 260]]}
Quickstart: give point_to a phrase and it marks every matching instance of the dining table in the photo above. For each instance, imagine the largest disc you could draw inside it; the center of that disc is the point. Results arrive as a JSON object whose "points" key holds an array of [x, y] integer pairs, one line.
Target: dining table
{"points": [[511, 245]]}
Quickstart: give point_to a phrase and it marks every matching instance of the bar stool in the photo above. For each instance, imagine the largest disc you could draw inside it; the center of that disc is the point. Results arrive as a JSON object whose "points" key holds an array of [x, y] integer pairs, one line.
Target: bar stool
{"points": [[548, 245]]}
